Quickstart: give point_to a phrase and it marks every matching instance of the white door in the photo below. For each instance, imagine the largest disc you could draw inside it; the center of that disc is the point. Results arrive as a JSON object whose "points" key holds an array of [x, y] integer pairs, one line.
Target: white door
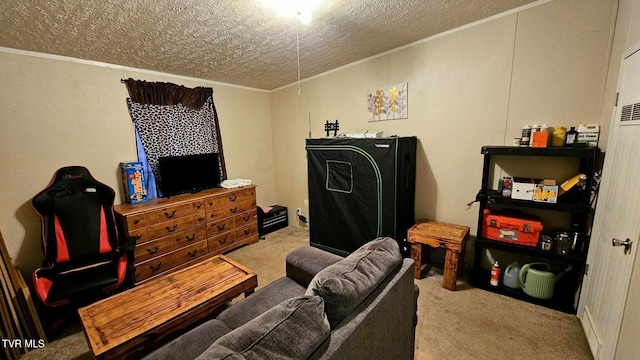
{"points": [[617, 217]]}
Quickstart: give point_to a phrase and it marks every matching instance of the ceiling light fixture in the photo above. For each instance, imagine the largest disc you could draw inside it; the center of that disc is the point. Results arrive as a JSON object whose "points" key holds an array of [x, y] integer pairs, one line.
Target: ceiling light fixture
{"points": [[301, 9]]}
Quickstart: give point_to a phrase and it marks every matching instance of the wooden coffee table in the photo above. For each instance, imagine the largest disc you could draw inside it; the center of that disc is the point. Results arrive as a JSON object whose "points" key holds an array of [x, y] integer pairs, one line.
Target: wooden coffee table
{"points": [[130, 323]]}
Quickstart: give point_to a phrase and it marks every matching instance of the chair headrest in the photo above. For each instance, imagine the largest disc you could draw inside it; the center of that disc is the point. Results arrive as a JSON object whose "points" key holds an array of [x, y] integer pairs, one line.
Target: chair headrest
{"points": [[74, 178]]}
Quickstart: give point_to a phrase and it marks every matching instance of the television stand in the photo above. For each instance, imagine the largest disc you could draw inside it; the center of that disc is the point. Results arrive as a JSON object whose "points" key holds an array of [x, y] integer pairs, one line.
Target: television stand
{"points": [[172, 233]]}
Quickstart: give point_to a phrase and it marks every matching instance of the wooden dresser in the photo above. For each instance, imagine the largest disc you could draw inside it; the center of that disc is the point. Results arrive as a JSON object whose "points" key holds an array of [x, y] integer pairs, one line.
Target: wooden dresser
{"points": [[174, 232]]}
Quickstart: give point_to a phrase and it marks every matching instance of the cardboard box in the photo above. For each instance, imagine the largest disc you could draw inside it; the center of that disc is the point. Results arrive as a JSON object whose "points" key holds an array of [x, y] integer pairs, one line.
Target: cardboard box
{"points": [[523, 188], [547, 192], [518, 230], [588, 134], [135, 190], [540, 139]]}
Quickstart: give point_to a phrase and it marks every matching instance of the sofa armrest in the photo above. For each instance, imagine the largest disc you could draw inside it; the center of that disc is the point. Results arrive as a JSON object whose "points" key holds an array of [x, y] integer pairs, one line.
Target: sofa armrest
{"points": [[305, 262]]}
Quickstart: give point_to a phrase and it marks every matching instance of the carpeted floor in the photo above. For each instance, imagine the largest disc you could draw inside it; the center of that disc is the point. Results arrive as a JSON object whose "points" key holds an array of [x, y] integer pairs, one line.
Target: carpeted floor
{"points": [[467, 323]]}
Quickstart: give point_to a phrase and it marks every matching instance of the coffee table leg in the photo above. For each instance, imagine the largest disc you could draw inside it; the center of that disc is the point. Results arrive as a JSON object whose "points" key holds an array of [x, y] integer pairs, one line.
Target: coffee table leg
{"points": [[248, 292], [416, 255]]}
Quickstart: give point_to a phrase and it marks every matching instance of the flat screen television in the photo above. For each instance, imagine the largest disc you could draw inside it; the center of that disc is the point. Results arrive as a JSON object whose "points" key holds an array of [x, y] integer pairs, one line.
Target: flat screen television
{"points": [[188, 173]]}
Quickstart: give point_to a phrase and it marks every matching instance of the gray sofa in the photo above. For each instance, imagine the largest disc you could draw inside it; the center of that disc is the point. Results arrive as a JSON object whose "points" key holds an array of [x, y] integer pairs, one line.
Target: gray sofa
{"points": [[326, 307]]}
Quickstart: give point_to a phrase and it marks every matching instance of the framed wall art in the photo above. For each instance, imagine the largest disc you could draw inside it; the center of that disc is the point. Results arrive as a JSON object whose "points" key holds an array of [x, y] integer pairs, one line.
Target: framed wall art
{"points": [[388, 102]]}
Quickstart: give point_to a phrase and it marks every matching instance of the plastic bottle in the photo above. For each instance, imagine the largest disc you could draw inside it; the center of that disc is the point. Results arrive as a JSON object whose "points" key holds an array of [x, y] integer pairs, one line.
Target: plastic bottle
{"points": [[526, 136], [571, 136], [507, 185], [495, 274], [534, 129], [559, 136]]}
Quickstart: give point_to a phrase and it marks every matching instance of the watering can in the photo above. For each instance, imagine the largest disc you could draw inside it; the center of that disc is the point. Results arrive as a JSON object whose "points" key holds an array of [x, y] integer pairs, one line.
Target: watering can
{"points": [[538, 281]]}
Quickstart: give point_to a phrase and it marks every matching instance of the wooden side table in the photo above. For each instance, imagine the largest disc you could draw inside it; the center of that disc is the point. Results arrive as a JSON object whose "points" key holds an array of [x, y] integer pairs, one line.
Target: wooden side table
{"points": [[439, 235]]}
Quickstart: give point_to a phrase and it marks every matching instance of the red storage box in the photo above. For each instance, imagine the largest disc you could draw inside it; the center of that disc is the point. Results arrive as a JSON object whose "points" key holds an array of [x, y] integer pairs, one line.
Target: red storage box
{"points": [[515, 230]]}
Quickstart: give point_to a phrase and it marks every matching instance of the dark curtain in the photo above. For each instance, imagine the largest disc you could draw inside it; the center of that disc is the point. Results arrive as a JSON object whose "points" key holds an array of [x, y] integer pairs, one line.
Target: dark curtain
{"points": [[160, 93], [172, 119]]}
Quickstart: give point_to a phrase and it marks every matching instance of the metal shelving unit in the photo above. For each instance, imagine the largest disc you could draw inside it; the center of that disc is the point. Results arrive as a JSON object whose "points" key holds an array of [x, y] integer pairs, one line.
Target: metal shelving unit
{"points": [[576, 204]]}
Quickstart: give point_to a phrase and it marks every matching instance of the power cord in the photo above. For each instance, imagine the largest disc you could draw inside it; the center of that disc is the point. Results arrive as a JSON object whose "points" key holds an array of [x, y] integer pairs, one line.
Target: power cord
{"points": [[301, 217]]}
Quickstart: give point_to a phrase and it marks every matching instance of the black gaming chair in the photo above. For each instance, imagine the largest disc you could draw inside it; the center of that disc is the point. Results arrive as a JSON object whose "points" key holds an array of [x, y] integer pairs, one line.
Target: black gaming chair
{"points": [[82, 253]]}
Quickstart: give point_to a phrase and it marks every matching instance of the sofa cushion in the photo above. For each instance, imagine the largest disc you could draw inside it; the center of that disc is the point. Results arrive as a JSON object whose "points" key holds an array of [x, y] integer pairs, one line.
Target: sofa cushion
{"points": [[305, 262], [192, 343], [262, 300], [345, 284], [292, 329]]}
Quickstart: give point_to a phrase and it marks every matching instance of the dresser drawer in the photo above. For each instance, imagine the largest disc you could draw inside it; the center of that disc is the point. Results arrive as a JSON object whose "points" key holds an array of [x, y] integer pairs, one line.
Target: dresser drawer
{"points": [[246, 194], [191, 252], [237, 208], [198, 206], [217, 201], [222, 240], [136, 221], [246, 231], [169, 213], [152, 249], [154, 266], [245, 218], [199, 219], [229, 199], [217, 214], [190, 236], [139, 234], [218, 227], [169, 227], [246, 206]]}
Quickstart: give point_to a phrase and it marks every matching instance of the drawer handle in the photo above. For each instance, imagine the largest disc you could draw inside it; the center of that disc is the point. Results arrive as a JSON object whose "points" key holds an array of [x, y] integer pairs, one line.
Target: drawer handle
{"points": [[246, 218], [190, 238], [155, 268], [169, 216], [234, 210], [213, 216], [220, 228], [138, 236], [192, 253], [198, 206], [200, 219], [172, 229], [154, 250], [247, 232], [233, 198], [222, 241], [136, 221], [211, 203]]}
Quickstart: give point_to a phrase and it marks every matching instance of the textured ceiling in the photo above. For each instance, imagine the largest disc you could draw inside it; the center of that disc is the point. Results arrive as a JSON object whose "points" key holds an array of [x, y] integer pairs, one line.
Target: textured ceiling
{"points": [[243, 42]]}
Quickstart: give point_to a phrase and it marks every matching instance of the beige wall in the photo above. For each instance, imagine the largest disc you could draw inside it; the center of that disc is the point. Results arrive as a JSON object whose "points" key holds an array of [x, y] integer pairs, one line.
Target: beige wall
{"points": [[58, 113], [473, 87]]}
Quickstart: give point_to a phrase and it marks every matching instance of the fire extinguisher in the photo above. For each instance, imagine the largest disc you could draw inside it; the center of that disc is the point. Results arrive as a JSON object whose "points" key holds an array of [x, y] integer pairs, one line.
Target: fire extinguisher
{"points": [[495, 274]]}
